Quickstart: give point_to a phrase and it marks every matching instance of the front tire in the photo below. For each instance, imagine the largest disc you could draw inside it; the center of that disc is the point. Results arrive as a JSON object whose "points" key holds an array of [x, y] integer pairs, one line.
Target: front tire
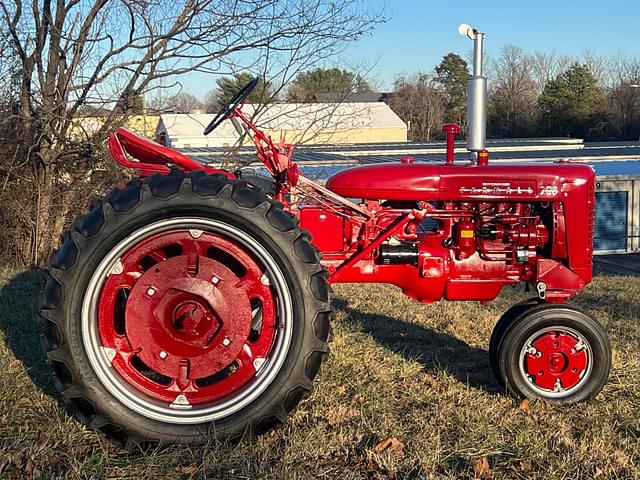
{"points": [[185, 307], [501, 326], [556, 353]]}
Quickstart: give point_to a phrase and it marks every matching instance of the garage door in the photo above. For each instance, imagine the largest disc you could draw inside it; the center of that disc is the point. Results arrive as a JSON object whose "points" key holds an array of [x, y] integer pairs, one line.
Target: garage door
{"points": [[610, 231]]}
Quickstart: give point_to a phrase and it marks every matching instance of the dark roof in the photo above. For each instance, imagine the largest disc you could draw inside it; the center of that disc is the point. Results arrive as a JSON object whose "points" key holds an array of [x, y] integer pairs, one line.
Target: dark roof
{"points": [[352, 98]]}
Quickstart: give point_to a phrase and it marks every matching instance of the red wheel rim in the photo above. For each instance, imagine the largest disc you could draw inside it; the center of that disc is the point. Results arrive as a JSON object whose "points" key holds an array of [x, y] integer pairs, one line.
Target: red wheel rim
{"points": [[557, 360], [187, 316]]}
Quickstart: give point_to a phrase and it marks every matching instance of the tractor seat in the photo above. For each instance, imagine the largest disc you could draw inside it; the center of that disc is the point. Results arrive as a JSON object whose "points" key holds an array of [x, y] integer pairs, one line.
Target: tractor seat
{"points": [[150, 152]]}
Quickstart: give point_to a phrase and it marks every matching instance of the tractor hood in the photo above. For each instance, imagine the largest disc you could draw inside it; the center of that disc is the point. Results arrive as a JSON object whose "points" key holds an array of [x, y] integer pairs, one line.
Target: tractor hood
{"points": [[426, 181]]}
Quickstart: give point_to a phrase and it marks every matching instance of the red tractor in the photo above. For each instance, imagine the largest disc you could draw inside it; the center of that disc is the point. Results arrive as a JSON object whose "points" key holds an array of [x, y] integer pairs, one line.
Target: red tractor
{"points": [[194, 302]]}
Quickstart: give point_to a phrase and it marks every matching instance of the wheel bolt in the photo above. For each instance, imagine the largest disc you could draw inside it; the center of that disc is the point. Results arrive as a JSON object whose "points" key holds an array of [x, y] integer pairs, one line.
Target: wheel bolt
{"points": [[215, 280], [162, 354], [226, 342], [151, 291]]}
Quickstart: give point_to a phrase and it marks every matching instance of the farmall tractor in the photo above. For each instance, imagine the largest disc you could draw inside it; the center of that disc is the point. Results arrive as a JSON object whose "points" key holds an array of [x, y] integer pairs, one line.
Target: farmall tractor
{"points": [[194, 302]]}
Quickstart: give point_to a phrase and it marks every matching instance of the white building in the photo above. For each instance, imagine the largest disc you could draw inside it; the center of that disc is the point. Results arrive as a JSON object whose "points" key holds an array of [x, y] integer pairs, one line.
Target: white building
{"points": [[301, 123]]}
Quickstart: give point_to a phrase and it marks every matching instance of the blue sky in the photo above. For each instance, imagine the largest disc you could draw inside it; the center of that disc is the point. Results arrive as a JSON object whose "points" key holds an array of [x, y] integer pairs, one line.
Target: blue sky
{"points": [[419, 33]]}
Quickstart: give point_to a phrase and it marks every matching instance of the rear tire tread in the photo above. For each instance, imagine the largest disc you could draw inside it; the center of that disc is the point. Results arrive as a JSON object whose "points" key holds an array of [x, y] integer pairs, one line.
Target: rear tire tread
{"points": [[162, 188]]}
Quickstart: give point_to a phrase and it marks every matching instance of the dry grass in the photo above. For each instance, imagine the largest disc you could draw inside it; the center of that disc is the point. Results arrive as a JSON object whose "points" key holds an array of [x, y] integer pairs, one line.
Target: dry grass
{"points": [[398, 370]]}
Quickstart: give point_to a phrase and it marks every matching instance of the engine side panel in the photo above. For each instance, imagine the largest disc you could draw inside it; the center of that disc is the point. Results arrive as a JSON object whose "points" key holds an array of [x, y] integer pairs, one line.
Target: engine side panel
{"points": [[497, 225]]}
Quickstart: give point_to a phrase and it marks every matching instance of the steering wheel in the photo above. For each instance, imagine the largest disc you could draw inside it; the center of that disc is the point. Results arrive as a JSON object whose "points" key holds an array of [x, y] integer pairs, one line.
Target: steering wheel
{"points": [[237, 100]]}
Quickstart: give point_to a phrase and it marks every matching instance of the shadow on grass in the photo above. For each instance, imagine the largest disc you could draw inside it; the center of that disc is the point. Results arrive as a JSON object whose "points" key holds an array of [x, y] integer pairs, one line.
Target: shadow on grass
{"points": [[609, 296], [434, 350], [19, 322]]}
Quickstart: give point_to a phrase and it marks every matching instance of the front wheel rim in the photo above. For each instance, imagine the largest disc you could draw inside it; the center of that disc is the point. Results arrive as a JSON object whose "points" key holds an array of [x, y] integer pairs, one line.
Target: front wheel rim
{"points": [[188, 352], [556, 361]]}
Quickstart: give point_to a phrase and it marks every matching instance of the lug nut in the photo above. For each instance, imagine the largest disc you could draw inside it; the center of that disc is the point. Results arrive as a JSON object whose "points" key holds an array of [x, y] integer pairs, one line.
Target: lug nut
{"points": [[215, 280], [226, 342], [163, 354], [151, 291]]}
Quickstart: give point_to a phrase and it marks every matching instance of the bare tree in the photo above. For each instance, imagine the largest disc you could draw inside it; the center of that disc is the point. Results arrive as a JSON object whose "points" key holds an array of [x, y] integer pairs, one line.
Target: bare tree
{"points": [[420, 104], [109, 53], [598, 65], [624, 97], [547, 66], [513, 96], [211, 101], [182, 102]]}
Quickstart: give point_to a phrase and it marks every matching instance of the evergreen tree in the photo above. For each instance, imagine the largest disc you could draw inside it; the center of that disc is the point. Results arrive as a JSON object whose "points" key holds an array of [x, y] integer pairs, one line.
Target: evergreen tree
{"points": [[229, 86], [452, 75], [572, 104], [325, 80]]}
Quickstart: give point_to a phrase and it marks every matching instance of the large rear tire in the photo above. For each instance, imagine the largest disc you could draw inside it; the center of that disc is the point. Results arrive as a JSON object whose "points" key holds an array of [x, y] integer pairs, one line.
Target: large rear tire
{"points": [[185, 307]]}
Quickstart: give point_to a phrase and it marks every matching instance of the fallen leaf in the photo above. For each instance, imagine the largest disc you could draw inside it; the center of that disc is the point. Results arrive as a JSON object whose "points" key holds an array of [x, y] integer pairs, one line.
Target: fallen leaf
{"points": [[524, 406], [25, 402], [435, 385], [341, 414], [29, 467], [82, 450], [188, 469], [13, 472], [481, 468], [15, 365], [394, 446], [55, 460], [526, 467]]}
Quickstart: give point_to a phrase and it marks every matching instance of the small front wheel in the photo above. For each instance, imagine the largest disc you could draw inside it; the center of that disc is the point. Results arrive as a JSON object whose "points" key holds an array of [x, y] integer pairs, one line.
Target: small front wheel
{"points": [[495, 343], [556, 353]]}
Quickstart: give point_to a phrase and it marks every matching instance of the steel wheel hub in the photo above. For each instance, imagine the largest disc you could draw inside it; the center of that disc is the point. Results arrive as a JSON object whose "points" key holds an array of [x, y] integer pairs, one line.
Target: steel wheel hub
{"points": [[189, 323], [185, 316], [556, 360]]}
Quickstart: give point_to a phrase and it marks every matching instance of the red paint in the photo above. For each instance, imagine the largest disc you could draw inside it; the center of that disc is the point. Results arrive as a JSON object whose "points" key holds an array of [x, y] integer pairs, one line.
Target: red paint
{"points": [[188, 317], [496, 224], [465, 238], [150, 157], [483, 158], [326, 228], [450, 130], [556, 361]]}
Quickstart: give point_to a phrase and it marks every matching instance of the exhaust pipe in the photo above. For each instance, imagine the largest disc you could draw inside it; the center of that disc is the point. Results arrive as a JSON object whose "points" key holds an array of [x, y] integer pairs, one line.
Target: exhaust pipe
{"points": [[476, 94]]}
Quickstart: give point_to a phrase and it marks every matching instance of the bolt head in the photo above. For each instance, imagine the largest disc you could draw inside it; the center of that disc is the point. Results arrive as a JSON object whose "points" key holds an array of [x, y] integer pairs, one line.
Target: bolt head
{"points": [[226, 342], [162, 354], [258, 362], [151, 291], [215, 280]]}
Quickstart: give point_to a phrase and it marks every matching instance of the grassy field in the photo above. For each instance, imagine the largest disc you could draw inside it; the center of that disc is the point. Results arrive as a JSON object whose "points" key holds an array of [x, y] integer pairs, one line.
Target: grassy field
{"points": [[407, 393]]}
